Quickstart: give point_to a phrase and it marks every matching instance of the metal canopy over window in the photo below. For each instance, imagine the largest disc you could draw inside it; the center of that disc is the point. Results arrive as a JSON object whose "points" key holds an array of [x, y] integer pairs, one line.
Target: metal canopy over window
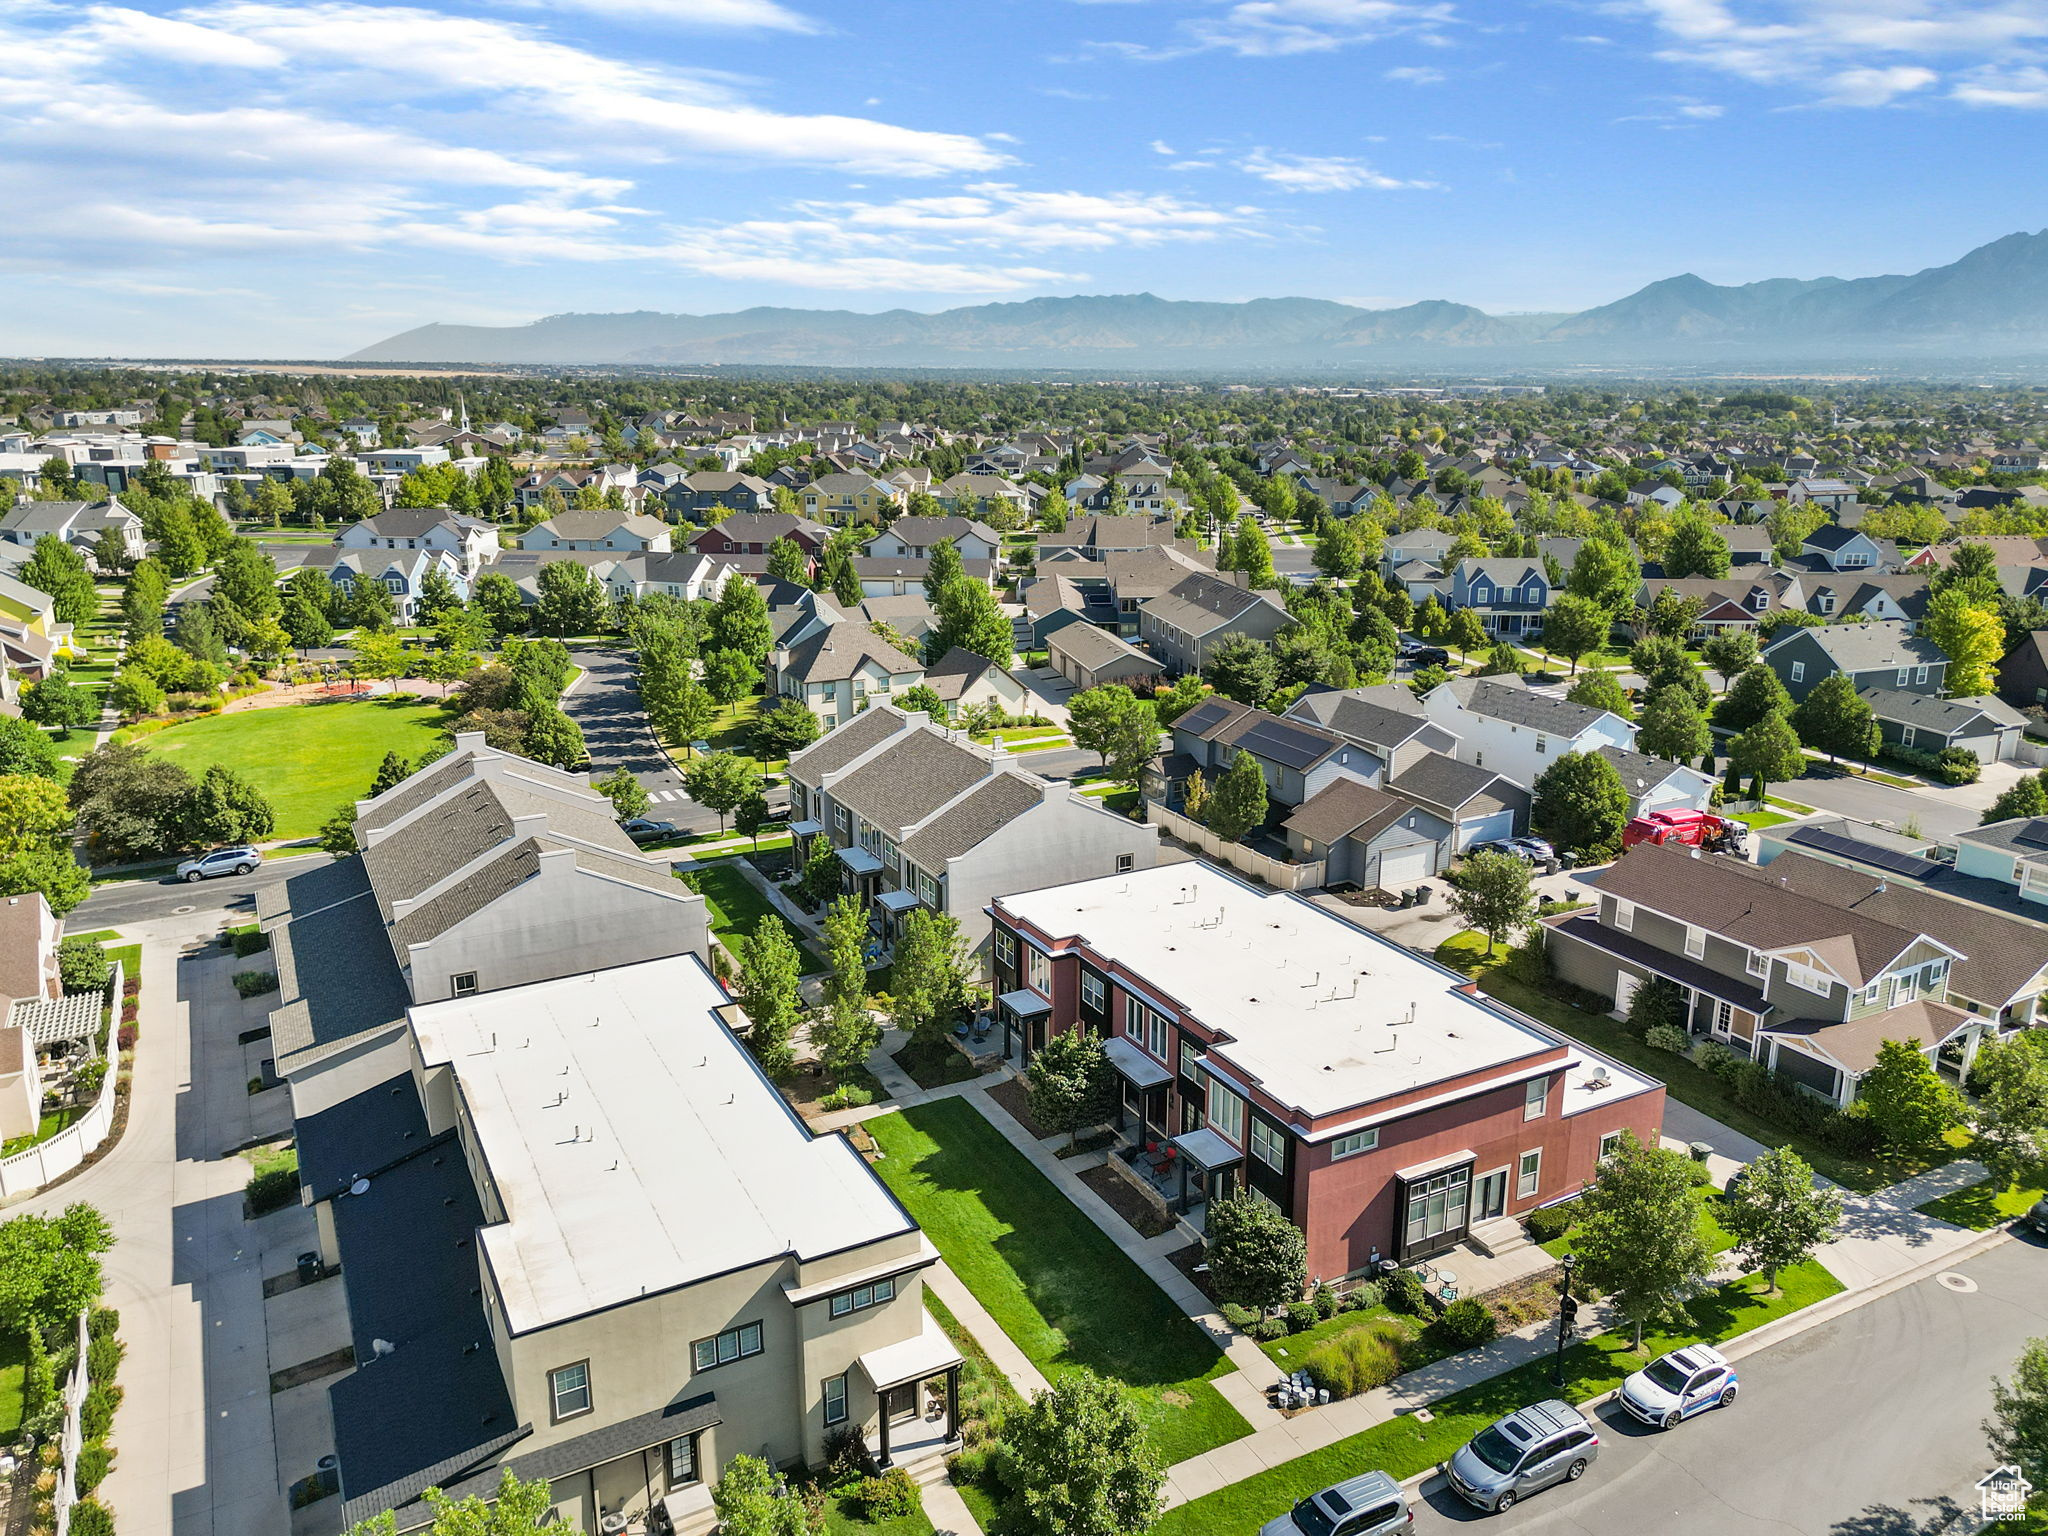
{"points": [[896, 901], [1207, 1150], [860, 861], [806, 828], [1139, 1069], [1024, 1003]]}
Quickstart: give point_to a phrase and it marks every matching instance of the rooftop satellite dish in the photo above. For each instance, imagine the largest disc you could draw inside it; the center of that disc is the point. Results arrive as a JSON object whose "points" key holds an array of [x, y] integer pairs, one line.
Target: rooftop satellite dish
{"points": [[360, 1187]]}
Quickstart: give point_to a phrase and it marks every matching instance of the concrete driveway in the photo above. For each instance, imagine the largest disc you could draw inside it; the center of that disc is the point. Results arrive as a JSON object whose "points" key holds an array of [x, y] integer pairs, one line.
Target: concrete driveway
{"points": [[1049, 692], [1423, 928]]}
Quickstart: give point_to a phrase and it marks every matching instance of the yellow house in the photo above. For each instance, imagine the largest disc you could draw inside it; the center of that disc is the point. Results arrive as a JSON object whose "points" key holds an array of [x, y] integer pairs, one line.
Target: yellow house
{"points": [[29, 617], [851, 498], [36, 611]]}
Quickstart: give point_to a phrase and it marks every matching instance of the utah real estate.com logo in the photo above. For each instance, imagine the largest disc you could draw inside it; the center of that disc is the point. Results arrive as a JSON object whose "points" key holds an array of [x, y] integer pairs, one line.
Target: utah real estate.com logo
{"points": [[2002, 1494]]}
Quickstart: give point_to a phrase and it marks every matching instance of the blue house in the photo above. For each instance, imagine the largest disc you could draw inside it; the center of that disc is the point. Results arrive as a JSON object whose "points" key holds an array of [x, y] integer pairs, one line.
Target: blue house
{"points": [[1510, 595]]}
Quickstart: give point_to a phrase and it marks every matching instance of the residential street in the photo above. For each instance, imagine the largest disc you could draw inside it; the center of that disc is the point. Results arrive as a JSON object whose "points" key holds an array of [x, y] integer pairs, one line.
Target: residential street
{"points": [[1938, 814], [125, 903], [1865, 1426], [606, 704]]}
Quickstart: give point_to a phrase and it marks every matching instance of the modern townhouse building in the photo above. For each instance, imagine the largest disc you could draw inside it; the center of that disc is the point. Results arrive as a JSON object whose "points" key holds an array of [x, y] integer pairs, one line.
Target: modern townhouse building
{"points": [[1502, 725], [922, 816], [1379, 1101], [584, 1239], [1807, 986]]}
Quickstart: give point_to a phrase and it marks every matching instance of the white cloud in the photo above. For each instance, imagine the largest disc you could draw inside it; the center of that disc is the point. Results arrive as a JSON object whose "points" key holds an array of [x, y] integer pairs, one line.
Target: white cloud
{"points": [[715, 15], [1874, 87], [1416, 74], [999, 215], [1161, 147], [2025, 87], [1320, 173], [1276, 28]]}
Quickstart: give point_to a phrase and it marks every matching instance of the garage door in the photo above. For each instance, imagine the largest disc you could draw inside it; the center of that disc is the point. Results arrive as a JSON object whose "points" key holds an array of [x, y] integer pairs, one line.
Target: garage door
{"points": [[1406, 866], [1486, 829]]}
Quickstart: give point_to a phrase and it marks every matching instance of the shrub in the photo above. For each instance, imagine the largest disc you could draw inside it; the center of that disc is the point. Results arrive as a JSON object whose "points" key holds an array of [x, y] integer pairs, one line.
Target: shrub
{"points": [[272, 1190], [127, 1036], [89, 1517], [847, 1096], [1548, 1223], [83, 965], [1325, 1301], [1267, 1329], [846, 1456], [250, 943], [1657, 1004], [96, 1414], [1668, 1037], [94, 1462], [1466, 1323], [1404, 1292], [104, 1323], [1243, 1319], [891, 1496], [255, 983], [1364, 1296], [103, 1358], [1717, 1059], [1302, 1316], [1353, 1362]]}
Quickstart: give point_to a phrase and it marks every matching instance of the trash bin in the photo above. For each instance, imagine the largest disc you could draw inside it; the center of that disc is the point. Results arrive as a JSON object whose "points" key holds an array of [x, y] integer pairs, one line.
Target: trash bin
{"points": [[309, 1268], [1700, 1150]]}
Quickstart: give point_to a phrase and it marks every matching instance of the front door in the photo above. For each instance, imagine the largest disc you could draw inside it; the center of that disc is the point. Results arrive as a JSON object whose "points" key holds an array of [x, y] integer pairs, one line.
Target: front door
{"points": [[1625, 984], [1491, 1197], [900, 1403]]}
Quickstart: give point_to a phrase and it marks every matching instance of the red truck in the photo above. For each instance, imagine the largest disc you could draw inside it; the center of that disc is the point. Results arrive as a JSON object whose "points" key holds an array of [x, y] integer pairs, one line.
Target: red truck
{"points": [[1695, 829]]}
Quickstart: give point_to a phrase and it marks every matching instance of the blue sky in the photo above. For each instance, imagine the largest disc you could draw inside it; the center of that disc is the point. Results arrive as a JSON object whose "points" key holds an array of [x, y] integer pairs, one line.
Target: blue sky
{"points": [[267, 178]]}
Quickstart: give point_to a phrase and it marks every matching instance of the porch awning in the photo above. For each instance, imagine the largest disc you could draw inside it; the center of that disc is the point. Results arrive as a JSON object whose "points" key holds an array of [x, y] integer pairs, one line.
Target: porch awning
{"points": [[806, 828], [895, 901], [860, 861], [1434, 1165], [908, 1360], [1138, 1068], [1024, 1003], [1206, 1150]]}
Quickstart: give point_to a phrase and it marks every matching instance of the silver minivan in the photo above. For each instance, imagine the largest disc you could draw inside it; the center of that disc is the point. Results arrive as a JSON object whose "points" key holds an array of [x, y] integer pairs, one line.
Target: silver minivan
{"points": [[1368, 1505], [1533, 1447]]}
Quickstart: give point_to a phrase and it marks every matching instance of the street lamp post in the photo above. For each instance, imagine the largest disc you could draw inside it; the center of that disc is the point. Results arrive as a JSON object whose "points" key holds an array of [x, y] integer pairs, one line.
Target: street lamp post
{"points": [[1567, 1310]]}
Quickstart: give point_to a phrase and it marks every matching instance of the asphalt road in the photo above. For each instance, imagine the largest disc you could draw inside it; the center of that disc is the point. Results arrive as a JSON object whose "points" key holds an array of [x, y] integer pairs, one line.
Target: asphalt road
{"points": [[1865, 1426], [143, 901], [1937, 814], [606, 704]]}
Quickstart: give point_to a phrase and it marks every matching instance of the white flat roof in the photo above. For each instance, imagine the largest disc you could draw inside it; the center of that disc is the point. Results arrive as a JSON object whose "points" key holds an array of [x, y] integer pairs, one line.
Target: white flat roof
{"points": [[634, 1143], [1322, 1015]]}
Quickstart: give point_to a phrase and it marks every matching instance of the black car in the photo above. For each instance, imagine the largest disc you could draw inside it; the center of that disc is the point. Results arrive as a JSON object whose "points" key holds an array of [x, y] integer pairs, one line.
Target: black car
{"points": [[1425, 655]]}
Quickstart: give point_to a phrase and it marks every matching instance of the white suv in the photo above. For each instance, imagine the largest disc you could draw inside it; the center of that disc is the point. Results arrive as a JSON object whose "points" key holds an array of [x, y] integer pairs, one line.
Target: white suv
{"points": [[222, 861]]}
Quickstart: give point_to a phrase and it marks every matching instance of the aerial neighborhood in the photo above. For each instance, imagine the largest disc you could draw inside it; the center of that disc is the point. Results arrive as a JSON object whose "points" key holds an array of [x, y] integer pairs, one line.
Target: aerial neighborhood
{"points": [[658, 952]]}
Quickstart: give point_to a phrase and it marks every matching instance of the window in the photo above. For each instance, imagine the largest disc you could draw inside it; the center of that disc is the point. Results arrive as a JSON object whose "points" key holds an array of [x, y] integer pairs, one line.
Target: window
{"points": [[1542, 744], [462, 984], [1868, 995], [569, 1387], [1536, 1099], [1806, 979], [1006, 947], [1904, 673], [1268, 1145], [835, 1400], [1038, 973], [1920, 674], [1624, 914], [1147, 1026], [927, 889], [1528, 1175], [1756, 963], [1226, 1112], [861, 1297], [1093, 993], [1827, 603], [724, 1348], [1125, 863], [1609, 1145], [831, 693], [1798, 671], [1190, 1057], [1353, 1144], [682, 1461]]}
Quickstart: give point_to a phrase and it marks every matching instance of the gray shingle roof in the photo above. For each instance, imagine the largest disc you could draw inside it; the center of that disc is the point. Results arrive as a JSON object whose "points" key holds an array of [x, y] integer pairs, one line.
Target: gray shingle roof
{"points": [[1202, 604], [1518, 706], [337, 977], [835, 654], [979, 815], [1443, 782], [1946, 717], [910, 779], [834, 750], [1345, 806], [1866, 647], [1639, 771], [1094, 647]]}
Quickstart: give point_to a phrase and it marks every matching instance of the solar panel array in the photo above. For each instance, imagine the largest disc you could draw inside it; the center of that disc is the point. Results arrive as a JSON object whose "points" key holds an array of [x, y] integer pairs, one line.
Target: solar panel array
{"points": [[1284, 742], [1910, 865], [2034, 832]]}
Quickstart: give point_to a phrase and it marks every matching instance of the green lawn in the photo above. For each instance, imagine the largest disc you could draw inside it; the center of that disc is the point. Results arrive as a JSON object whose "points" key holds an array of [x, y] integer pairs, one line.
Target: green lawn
{"points": [[1401, 1330], [1054, 1282], [1402, 1447], [1694, 1085], [1758, 820], [53, 1121], [307, 758], [13, 1368], [1984, 1205], [843, 1517], [737, 907], [1718, 1238]]}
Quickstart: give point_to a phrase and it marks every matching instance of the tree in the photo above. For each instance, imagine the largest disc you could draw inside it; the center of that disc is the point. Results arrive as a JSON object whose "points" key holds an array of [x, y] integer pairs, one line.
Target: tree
{"points": [[840, 578], [1661, 661], [843, 1031], [1606, 574], [1908, 1103], [1581, 805], [1574, 626], [552, 737], [1070, 1083], [1672, 726], [1053, 512], [2027, 797], [1776, 1215], [381, 655], [770, 973], [788, 562], [1238, 802], [626, 793], [1493, 894], [730, 675], [1757, 693], [59, 703], [1694, 548], [1243, 669], [1083, 1464], [821, 872], [34, 814], [130, 802], [245, 592], [1602, 690], [1835, 719], [1973, 639], [1768, 752], [572, 599], [224, 807], [1337, 551], [1117, 726], [515, 1509], [719, 781], [930, 975], [1729, 652], [53, 871], [2010, 1079], [50, 1268], [683, 711], [970, 618], [1249, 551], [2018, 1427], [784, 727], [496, 596], [59, 570], [1257, 1257], [752, 1500], [370, 606], [922, 698], [308, 627], [1639, 1232], [134, 694], [943, 572], [1467, 632]]}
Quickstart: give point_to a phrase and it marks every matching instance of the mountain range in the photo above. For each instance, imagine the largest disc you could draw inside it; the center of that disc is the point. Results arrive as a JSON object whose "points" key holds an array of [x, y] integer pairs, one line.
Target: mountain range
{"points": [[1992, 302]]}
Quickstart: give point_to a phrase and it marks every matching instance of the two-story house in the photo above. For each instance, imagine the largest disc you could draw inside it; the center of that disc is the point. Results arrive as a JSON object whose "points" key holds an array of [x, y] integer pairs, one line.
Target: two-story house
{"points": [[1419, 546], [839, 669], [598, 529], [584, 1240], [403, 573], [1297, 758], [1092, 537], [1509, 595], [1183, 627], [1504, 726], [1836, 548], [972, 495], [1378, 1101], [753, 533], [1808, 987], [81, 524], [709, 494], [1876, 655], [850, 498], [914, 537], [921, 816], [473, 542]]}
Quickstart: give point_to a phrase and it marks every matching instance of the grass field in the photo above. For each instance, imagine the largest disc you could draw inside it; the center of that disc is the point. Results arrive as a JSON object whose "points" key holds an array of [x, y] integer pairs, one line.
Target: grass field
{"points": [[1051, 1278], [307, 758], [13, 1367], [1402, 1447], [1983, 1206], [737, 908], [1718, 1238]]}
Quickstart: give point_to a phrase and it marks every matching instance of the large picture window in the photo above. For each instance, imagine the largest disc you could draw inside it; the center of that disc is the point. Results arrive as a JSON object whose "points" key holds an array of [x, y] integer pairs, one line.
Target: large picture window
{"points": [[1038, 973], [1269, 1145], [1226, 1112], [1436, 1208], [724, 1348]]}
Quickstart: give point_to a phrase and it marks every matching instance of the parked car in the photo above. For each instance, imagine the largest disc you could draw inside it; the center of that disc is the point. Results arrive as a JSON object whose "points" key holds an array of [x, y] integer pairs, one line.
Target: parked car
{"points": [[2037, 1217], [1366, 1505], [1424, 655], [1533, 1447], [238, 860], [1530, 850], [1676, 1386], [644, 829]]}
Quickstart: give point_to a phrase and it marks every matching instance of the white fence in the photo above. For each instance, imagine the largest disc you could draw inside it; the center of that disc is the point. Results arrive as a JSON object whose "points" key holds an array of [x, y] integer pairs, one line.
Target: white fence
{"points": [[1275, 872], [73, 1437], [26, 1172]]}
